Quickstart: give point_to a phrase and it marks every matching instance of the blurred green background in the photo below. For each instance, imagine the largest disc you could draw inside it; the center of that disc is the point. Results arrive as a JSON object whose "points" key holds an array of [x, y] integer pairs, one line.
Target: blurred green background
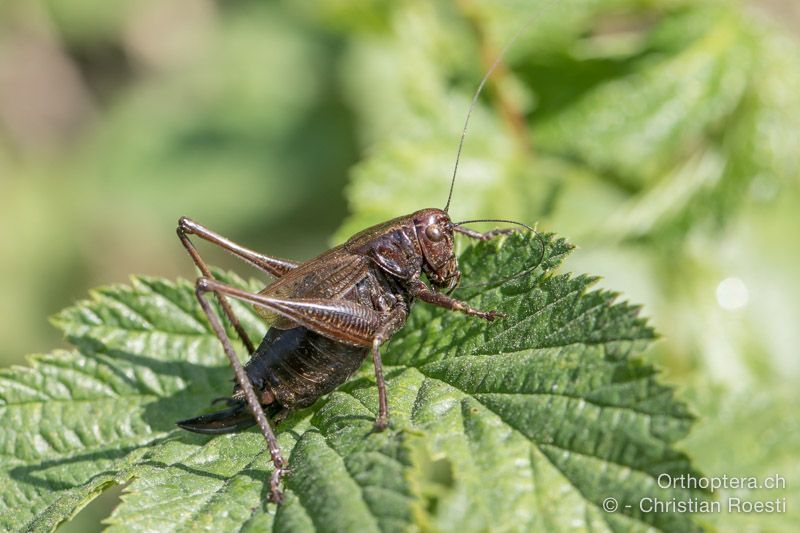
{"points": [[661, 136]]}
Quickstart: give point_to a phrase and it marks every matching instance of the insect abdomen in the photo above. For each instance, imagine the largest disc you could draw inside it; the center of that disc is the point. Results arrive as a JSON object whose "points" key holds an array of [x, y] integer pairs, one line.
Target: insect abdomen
{"points": [[290, 369], [297, 366]]}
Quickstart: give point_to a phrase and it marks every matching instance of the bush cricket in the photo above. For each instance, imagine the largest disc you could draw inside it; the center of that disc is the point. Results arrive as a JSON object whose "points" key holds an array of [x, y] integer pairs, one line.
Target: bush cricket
{"points": [[328, 314]]}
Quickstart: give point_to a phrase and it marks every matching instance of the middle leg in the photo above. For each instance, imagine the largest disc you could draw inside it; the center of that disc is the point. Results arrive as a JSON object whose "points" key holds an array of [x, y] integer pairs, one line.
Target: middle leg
{"points": [[397, 317]]}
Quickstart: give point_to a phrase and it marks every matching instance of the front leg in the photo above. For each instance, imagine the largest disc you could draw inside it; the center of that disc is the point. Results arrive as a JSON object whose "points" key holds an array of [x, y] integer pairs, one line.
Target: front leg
{"points": [[485, 235], [421, 291]]}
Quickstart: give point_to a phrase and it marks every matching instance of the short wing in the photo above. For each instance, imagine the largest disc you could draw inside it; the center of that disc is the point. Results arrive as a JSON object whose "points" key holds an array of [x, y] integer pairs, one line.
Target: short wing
{"points": [[330, 276]]}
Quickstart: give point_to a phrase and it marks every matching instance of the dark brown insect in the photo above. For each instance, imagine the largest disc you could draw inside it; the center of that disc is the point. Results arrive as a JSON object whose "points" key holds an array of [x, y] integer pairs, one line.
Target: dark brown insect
{"points": [[327, 314]]}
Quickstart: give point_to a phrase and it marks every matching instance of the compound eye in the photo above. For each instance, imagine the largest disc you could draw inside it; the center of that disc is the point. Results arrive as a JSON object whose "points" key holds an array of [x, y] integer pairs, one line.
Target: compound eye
{"points": [[434, 233]]}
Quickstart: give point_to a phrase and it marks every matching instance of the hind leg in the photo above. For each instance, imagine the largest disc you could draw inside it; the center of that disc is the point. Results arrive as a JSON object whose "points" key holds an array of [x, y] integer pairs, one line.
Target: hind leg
{"points": [[271, 265], [281, 467], [340, 320]]}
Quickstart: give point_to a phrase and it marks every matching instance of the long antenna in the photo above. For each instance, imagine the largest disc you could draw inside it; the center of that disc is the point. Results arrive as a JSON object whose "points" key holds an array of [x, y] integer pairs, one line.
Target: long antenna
{"points": [[477, 94]]}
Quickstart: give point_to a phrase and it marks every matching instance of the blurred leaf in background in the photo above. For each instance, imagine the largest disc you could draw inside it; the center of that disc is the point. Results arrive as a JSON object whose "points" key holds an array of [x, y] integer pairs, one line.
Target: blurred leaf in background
{"points": [[661, 136], [226, 112]]}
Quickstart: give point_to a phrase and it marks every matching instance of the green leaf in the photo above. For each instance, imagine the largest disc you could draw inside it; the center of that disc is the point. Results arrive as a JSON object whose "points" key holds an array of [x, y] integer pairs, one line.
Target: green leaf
{"points": [[526, 423], [653, 117]]}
